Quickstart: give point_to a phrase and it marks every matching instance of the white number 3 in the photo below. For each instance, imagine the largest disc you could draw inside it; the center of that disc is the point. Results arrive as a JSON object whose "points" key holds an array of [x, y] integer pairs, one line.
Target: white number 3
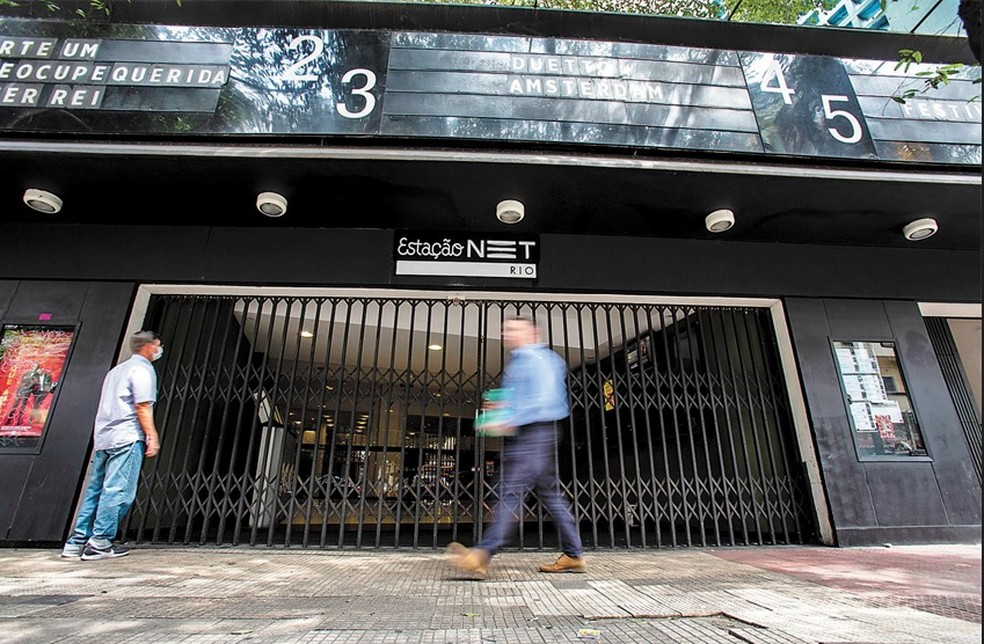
{"points": [[363, 91], [831, 113]]}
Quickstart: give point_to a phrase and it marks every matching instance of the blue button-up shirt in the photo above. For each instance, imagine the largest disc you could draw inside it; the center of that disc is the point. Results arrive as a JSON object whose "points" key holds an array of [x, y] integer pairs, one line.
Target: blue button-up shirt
{"points": [[536, 378], [128, 383]]}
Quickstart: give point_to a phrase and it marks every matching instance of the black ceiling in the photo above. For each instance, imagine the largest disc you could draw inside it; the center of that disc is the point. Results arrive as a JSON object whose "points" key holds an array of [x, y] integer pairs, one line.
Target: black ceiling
{"points": [[580, 196]]}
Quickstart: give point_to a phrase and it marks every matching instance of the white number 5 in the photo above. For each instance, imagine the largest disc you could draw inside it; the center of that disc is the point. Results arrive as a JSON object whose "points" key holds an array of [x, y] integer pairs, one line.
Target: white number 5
{"points": [[831, 113]]}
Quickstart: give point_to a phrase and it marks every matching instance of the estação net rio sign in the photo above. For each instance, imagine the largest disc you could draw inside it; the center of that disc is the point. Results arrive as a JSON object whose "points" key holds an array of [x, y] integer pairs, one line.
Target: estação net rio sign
{"points": [[460, 255]]}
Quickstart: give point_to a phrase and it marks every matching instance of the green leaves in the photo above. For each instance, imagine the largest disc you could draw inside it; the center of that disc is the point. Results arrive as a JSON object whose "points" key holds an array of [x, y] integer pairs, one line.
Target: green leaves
{"points": [[908, 57], [932, 78], [104, 7]]}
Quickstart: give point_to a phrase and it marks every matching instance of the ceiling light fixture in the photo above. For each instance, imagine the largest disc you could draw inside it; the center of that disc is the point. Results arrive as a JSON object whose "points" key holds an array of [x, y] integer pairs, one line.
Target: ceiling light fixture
{"points": [[434, 347], [720, 220], [307, 334], [42, 201], [510, 211], [271, 204], [920, 229]]}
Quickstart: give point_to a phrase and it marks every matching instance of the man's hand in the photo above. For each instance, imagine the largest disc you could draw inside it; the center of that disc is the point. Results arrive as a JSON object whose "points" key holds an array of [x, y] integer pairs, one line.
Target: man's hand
{"points": [[153, 447]]}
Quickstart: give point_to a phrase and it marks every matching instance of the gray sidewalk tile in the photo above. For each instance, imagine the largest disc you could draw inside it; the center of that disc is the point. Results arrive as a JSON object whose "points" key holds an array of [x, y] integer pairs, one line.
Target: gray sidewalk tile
{"points": [[219, 595]]}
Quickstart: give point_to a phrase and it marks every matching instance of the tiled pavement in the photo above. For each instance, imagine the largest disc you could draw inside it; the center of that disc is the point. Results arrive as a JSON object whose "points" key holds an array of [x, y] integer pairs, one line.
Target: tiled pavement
{"points": [[771, 595]]}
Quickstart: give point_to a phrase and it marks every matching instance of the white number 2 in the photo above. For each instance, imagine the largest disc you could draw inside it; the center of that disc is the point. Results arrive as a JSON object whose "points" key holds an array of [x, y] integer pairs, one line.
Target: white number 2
{"points": [[293, 72], [359, 91], [831, 113]]}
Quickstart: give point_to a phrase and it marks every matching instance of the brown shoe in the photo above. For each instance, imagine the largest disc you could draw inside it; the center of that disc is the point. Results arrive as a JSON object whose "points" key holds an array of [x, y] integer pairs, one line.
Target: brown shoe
{"points": [[566, 564], [472, 563]]}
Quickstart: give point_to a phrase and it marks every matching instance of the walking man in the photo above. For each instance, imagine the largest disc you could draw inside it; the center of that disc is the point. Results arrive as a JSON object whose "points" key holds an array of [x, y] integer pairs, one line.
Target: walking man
{"points": [[537, 380], [124, 433]]}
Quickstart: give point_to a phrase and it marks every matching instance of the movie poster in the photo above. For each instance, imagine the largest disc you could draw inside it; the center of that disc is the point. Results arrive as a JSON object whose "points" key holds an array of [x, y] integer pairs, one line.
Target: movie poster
{"points": [[32, 359]]}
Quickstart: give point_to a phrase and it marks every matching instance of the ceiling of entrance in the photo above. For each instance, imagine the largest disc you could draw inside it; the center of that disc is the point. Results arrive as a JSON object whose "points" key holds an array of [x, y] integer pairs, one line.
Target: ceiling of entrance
{"points": [[662, 197], [431, 336]]}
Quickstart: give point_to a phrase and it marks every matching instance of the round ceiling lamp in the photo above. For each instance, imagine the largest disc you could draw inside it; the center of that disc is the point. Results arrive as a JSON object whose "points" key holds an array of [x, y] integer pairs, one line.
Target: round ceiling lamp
{"points": [[920, 229], [271, 204], [510, 211], [42, 201], [720, 220]]}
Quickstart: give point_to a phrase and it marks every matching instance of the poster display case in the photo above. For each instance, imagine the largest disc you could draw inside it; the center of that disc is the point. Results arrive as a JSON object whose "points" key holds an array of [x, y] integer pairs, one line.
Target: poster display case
{"points": [[32, 361], [882, 418]]}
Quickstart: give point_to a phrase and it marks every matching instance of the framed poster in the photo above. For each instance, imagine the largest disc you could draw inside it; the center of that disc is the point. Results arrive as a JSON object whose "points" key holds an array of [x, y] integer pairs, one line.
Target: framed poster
{"points": [[32, 361]]}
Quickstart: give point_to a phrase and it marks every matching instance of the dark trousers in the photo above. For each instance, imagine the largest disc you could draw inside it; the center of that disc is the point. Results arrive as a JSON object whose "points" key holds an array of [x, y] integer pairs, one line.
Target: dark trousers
{"points": [[528, 461]]}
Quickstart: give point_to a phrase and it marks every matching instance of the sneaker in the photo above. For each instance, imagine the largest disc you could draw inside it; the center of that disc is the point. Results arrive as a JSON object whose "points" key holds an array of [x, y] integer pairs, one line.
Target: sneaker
{"points": [[91, 553], [566, 564], [73, 550], [473, 563]]}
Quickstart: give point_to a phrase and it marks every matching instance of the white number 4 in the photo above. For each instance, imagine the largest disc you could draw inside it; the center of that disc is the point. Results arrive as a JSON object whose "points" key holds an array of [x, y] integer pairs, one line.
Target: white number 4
{"points": [[831, 113], [774, 70]]}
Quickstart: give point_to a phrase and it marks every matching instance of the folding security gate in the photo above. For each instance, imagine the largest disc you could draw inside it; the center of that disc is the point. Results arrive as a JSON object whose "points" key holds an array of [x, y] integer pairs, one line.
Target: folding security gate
{"points": [[347, 421]]}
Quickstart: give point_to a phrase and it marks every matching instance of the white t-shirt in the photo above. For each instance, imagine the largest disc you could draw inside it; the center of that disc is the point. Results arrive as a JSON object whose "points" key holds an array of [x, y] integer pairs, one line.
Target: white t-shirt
{"points": [[130, 382]]}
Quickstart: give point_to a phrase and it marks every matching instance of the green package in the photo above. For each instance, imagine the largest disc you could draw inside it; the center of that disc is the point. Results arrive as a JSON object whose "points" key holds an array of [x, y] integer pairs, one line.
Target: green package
{"points": [[490, 421]]}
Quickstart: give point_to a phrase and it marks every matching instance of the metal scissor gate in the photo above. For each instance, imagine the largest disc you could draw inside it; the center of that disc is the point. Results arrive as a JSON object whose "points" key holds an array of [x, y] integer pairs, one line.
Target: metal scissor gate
{"points": [[347, 422]]}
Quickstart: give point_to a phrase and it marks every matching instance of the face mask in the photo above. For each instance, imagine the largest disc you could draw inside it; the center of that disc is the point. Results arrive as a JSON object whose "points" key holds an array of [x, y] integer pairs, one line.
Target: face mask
{"points": [[158, 354]]}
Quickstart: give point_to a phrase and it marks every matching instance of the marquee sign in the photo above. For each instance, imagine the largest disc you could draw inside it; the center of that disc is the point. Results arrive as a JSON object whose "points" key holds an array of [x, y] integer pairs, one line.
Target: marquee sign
{"points": [[461, 255], [203, 81]]}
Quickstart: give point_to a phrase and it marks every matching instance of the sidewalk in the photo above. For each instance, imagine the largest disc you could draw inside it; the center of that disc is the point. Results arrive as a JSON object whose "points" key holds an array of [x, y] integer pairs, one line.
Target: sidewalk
{"points": [[767, 595]]}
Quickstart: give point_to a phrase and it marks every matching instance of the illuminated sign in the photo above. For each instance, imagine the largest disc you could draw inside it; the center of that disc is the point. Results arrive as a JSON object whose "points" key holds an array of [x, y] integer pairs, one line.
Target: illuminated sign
{"points": [[463, 255]]}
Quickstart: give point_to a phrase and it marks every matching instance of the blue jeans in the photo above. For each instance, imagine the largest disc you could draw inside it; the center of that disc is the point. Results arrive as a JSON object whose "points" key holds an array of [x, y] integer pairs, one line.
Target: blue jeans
{"points": [[527, 462], [109, 493]]}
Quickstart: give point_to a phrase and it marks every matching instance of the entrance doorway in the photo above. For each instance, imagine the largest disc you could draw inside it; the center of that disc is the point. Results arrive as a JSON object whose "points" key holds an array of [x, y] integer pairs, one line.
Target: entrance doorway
{"points": [[957, 344], [346, 421]]}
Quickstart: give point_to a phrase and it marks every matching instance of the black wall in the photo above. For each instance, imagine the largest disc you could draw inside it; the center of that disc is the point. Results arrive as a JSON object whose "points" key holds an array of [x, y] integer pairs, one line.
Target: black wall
{"points": [[39, 492], [896, 501], [345, 257], [835, 290]]}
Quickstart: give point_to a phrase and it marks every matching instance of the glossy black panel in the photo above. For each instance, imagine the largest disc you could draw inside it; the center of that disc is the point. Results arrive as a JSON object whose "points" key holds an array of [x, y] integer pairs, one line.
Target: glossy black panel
{"points": [[304, 82], [929, 152], [633, 50], [154, 99], [444, 82], [925, 131], [465, 42], [582, 133], [805, 106], [896, 86], [924, 108], [165, 52]]}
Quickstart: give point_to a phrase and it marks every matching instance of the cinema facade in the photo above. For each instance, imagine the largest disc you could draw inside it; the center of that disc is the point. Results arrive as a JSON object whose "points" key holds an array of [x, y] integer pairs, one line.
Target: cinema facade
{"points": [[328, 216]]}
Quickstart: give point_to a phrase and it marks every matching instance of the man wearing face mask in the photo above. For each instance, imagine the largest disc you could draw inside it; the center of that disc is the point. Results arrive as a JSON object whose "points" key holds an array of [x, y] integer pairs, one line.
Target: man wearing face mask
{"points": [[124, 434]]}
